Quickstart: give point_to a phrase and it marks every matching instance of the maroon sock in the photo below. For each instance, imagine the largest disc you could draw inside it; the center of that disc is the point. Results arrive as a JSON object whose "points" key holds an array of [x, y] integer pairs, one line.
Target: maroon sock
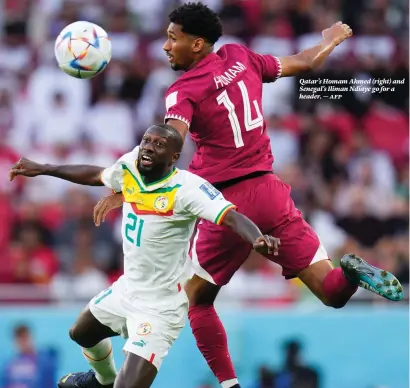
{"points": [[211, 340], [338, 290]]}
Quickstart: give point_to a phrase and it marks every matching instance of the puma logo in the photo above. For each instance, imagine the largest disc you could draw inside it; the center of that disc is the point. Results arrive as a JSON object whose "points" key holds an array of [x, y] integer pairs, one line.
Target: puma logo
{"points": [[63, 380]]}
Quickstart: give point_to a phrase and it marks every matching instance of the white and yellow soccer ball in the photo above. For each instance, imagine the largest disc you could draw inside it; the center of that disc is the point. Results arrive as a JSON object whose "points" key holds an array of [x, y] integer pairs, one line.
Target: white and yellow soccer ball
{"points": [[82, 49]]}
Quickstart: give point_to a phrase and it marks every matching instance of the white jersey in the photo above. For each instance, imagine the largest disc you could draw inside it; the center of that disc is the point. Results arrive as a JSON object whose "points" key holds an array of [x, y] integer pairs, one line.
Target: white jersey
{"points": [[158, 221]]}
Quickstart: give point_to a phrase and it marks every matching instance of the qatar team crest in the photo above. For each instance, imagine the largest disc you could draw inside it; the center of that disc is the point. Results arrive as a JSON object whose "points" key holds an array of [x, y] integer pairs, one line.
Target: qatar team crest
{"points": [[144, 329], [161, 203]]}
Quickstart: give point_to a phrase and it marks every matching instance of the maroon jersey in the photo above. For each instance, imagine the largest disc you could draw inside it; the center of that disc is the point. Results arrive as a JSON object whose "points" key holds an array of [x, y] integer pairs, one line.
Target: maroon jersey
{"points": [[221, 101]]}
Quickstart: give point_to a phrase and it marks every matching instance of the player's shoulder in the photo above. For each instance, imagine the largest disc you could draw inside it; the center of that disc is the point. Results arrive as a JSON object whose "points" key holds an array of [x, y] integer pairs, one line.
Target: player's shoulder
{"points": [[197, 83], [184, 89], [188, 181], [233, 48], [191, 85], [130, 156], [235, 52], [180, 85], [191, 183], [186, 178]]}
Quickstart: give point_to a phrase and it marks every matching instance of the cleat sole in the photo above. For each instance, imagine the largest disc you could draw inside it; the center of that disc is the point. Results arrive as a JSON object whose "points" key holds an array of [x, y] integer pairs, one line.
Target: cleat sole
{"points": [[371, 278]]}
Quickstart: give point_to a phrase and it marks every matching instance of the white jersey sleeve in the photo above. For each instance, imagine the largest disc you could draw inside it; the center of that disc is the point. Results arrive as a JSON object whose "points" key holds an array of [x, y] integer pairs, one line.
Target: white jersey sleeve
{"points": [[112, 177], [202, 200]]}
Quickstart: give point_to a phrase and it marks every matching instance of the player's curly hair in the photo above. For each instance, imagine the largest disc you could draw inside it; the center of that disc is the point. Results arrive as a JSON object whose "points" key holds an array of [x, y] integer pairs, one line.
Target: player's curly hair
{"points": [[198, 19]]}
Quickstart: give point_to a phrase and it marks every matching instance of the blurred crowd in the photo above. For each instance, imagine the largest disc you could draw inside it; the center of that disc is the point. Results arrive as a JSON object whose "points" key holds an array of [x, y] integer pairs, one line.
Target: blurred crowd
{"points": [[346, 159], [292, 372], [30, 366]]}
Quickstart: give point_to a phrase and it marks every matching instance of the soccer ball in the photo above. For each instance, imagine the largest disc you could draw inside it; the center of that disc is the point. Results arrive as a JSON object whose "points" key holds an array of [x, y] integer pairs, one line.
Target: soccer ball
{"points": [[82, 50]]}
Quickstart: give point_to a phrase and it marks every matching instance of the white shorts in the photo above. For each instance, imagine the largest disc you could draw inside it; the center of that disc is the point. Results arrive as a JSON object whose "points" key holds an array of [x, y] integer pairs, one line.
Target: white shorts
{"points": [[149, 331], [320, 255]]}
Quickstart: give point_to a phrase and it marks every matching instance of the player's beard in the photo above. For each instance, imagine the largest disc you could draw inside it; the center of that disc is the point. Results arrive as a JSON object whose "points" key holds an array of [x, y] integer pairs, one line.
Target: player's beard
{"points": [[152, 173], [176, 67]]}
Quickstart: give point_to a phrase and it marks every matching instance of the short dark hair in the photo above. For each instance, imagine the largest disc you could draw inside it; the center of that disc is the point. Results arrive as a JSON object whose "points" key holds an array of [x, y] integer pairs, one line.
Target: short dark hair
{"points": [[198, 19], [172, 134]]}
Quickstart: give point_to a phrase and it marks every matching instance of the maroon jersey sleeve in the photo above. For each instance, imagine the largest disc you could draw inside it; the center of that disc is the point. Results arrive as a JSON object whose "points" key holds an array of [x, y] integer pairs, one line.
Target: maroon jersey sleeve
{"points": [[269, 66], [179, 104]]}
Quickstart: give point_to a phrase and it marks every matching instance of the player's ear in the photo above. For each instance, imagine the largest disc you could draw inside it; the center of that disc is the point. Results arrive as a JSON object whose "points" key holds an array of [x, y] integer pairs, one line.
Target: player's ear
{"points": [[198, 45], [175, 157]]}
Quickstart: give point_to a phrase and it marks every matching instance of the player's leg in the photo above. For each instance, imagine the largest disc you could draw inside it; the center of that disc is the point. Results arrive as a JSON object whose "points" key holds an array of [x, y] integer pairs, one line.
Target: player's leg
{"points": [[328, 283], [100, 320], [216, 254], [150, 339], [87, 331], [301, 254], [93, 337], [208, 329], [136, 372], [335, 286]]}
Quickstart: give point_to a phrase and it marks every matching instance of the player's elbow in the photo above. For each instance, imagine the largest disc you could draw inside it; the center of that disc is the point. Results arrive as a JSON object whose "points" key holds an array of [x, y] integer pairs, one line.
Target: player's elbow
{"points": [[97, 179], [231, 219]]}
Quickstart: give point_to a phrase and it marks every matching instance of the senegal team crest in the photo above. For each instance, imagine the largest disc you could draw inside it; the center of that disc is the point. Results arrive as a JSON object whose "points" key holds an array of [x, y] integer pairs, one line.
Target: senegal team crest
{"points": [[161, 203], [144, 329]]}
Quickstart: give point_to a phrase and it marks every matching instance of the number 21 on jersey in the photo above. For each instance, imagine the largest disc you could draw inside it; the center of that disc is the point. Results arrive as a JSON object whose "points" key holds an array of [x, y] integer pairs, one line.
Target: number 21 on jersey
{"points": [[250, 123], [131, 227]]}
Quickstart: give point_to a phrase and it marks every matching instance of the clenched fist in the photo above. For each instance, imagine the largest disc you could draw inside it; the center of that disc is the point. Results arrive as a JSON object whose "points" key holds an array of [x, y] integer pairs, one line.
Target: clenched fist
{"points": [[337, 33]]}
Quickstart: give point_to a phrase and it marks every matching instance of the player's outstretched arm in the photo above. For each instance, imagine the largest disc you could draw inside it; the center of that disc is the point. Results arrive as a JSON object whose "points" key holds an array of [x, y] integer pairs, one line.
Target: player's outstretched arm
{"points": [[312, 58], [81, 174], [242, 225]]}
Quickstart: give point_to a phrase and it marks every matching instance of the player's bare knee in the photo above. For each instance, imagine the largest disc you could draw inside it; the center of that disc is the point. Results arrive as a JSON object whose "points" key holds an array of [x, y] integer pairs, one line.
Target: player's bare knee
{"points": [[82, 337], [336, 304], [76, 335], [71, 333], [79, 337]]}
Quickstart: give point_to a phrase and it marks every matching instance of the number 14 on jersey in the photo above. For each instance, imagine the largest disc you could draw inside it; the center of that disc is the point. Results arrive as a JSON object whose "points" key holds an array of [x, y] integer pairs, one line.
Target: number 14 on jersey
{"points": [[249, 123]]}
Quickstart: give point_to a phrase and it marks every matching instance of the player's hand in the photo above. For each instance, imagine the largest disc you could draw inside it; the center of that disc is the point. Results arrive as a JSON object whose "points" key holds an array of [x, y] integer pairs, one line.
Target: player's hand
{"points": [[27, 168], [267, 245], [337, 33], [104, 206]]}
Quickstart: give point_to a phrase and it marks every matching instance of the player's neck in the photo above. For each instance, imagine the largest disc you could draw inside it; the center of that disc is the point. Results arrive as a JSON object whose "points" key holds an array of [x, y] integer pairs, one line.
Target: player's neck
{"points": [[199, 59], [155, 177]]}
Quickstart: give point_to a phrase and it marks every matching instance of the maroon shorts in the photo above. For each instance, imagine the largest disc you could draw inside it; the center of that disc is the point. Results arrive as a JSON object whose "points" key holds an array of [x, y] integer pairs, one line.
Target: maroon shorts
{"points": [[217, 252]]}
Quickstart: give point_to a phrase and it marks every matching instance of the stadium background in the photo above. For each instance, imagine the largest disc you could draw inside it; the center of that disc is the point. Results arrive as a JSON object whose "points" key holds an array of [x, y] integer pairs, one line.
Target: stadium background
{"points": [[347, 161]]}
